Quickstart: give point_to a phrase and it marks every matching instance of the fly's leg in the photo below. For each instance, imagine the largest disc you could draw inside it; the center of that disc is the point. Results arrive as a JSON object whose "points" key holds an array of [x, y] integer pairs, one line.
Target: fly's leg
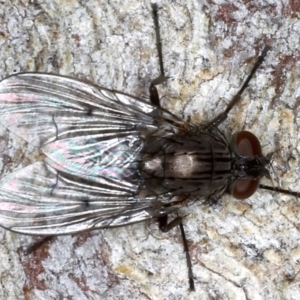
{"points": [[154, 97], [164, 226], [188, 258], [222, 116], [38, 244], [280, 190], [158, 39]]}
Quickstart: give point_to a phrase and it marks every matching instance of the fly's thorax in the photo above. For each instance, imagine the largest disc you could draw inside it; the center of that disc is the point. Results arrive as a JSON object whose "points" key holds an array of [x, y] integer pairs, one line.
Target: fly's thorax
{"points": [[187, 164]]}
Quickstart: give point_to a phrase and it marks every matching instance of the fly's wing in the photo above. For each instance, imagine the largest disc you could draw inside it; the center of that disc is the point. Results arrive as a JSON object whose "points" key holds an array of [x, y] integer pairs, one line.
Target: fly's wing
{"points": [[38, 200], [91, 139], [43, 107]]}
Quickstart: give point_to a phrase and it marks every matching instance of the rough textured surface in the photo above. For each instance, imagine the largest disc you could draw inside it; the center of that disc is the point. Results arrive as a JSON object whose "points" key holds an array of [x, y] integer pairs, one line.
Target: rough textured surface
{"points": [[240, 250]]}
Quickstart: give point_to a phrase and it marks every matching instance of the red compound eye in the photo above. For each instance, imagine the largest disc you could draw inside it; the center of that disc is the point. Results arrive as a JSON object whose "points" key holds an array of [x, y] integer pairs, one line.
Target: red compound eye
{"points": [[244, 188], [245, 143]]}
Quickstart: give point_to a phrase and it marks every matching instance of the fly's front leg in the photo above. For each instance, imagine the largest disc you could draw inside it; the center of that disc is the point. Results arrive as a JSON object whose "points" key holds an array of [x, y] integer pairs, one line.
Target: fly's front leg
{"points": [[164, 226], [222, 116], [154, 97]]}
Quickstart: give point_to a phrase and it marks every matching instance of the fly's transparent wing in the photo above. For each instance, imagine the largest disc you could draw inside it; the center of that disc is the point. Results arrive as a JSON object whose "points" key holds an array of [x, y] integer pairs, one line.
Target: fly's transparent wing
{"points": [[91, 139], [45, 107], [38, 200]]}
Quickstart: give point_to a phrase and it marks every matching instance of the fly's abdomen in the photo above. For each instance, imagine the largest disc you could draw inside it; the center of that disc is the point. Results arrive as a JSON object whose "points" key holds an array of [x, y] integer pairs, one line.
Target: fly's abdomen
{"points": [[188, 164]]}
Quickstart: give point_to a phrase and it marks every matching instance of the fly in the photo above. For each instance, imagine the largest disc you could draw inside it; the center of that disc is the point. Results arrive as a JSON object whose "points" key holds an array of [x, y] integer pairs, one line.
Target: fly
{"points": [[109, 159]]}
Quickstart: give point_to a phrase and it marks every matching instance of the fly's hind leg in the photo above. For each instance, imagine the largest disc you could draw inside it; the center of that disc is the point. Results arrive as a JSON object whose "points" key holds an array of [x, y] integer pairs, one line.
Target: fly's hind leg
{"points": [[164, 226], [37, 245], [154, 97]]}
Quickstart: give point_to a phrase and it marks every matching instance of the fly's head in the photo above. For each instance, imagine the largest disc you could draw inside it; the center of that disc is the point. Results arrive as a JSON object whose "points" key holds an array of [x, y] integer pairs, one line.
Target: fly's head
{"points": [[248, 166]]}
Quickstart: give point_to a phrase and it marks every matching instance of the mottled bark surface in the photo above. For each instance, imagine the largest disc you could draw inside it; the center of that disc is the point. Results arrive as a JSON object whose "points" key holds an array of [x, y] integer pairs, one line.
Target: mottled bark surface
{"points": [[240, 250]]}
